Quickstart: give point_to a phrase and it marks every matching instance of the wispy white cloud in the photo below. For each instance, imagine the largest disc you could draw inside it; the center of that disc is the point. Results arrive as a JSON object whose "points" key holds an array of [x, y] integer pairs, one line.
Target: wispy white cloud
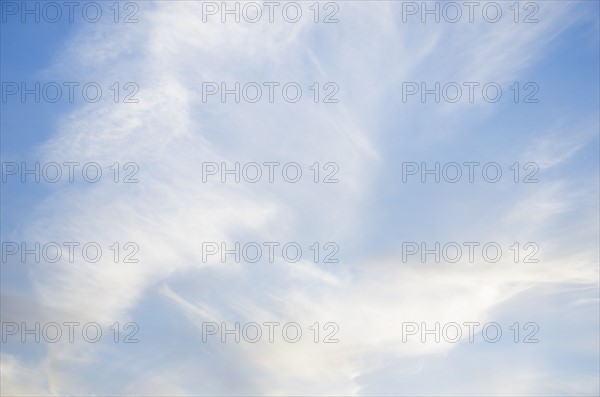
{"points": [[170, 132]]}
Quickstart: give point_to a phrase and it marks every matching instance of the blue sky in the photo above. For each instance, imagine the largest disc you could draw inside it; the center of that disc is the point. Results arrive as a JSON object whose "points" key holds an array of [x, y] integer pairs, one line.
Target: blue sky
{"points": [[171, 293]]}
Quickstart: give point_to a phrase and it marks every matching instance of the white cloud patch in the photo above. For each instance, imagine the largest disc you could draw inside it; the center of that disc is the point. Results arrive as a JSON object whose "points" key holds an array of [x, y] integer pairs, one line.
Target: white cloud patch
{"points": [[170, 212]]}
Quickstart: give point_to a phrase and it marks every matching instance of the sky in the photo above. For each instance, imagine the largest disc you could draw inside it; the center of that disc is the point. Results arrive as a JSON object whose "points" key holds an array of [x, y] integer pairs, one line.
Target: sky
{"points": [[402, 177]]}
